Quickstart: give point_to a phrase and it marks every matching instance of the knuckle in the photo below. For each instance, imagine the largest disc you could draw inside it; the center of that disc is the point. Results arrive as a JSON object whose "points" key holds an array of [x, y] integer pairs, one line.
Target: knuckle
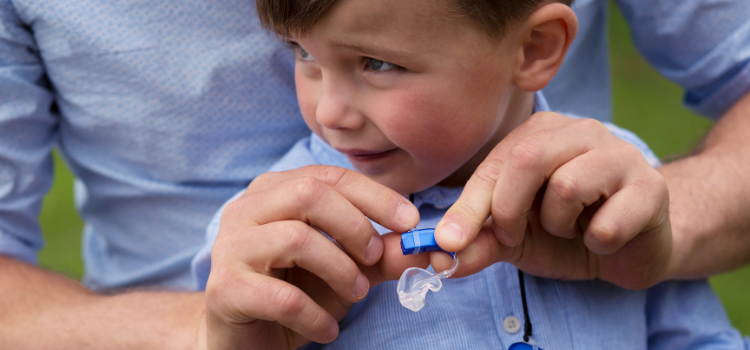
{"points": [[632, 152], [661, 185], [290, 301], [264, 179], [593, 127], [564, 187], [487, 173], [308, 190], [232, 221], [329, 174], [261, 181], [653, 182], [526, 153], [502, 216], [608, 238], [656, 178], [593, 124], [320, 321], [233, 209], [221, 281], [361, 226], [469, 211], [296, 235]]}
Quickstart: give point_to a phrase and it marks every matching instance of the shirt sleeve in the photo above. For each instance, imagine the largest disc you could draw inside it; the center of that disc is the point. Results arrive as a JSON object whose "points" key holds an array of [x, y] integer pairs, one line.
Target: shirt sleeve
{"points": [[28, 132], [688, 315], [633, 139], [704, 46]]}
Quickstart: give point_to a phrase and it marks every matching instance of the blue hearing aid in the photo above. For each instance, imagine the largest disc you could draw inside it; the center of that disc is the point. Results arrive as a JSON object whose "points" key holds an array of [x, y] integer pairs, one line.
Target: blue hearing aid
{"points": [[420, 241]]}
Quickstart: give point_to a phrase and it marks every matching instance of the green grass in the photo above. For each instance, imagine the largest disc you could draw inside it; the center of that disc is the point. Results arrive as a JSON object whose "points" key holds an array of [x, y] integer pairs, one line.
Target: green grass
{"points": [[643, 101], [62, 226]]}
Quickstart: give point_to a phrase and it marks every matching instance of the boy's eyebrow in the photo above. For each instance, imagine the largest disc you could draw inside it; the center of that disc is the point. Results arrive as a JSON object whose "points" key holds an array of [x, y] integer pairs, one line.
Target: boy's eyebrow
{"points": [[371, 50]]}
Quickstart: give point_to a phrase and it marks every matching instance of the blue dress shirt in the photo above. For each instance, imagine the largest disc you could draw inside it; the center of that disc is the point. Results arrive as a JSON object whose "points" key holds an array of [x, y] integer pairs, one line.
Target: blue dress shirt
{"points": [[164, 109], [469, 312]]}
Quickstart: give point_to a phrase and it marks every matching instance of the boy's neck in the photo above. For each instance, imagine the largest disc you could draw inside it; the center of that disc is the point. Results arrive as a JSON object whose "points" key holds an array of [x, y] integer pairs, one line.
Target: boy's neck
{"points": [[518, 111]]}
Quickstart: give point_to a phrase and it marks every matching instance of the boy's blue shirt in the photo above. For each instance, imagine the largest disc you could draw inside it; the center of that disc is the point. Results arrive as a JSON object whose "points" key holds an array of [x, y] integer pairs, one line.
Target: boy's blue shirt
{"points": [[468, 313]]}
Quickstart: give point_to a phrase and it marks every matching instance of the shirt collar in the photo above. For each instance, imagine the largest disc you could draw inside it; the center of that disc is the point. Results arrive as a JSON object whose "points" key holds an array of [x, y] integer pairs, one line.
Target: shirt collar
{"points": [[440, 197]]}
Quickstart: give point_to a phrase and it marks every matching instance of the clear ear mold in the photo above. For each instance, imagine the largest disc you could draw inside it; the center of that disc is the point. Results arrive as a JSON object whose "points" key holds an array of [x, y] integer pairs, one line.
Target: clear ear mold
{"points": [[414, 283]]}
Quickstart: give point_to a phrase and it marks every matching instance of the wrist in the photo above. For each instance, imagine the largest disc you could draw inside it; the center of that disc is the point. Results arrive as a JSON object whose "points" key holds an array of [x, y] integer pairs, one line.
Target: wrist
{"points": [[166, 320], [707, 210]]}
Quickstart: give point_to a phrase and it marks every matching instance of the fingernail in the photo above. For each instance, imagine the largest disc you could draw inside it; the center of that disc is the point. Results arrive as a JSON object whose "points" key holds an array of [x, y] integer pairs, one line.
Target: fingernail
{"points": [[452, 232], [405, 213], [374, 249], [506, 238], [361, 286]]}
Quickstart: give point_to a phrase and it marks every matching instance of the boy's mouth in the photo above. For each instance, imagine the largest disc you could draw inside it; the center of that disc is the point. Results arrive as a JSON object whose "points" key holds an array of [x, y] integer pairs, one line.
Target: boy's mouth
{"points": [[366, 156]]}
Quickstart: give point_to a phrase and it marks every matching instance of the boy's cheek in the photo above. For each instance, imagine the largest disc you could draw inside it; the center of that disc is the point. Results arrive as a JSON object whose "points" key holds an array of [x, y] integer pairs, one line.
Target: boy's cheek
{"points": [[433, 138], [307, 105]]}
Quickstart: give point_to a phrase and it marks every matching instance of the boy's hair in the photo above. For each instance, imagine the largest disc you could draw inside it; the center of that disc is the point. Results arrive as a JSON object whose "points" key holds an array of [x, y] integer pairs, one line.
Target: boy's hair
{"points": [[295, 17]]}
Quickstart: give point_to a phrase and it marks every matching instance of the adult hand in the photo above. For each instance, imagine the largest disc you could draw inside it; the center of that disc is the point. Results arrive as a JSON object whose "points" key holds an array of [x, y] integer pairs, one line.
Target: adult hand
{"points": [[568, 200], [276, 282]]}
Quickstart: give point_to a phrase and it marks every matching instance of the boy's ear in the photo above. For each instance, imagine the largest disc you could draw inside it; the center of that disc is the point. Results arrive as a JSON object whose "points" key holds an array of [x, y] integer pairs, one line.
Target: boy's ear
{"points": [[544, 41]]}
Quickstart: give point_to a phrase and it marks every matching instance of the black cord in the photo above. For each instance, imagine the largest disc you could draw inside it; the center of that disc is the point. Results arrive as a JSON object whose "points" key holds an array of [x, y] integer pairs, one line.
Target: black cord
{"points": [[526, 319], [411, 198]]}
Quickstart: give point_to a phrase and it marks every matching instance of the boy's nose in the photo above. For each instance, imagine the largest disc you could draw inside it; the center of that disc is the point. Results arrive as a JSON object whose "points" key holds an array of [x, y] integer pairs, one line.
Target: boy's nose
{"points": [[335, 108]]}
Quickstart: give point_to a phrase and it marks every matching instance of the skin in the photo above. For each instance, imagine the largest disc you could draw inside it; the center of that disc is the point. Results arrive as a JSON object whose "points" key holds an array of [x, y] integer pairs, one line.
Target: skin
{"points": [[298, 287], [45, 310], [708, 206], [708, 199], [386, 121], [300, 284]]}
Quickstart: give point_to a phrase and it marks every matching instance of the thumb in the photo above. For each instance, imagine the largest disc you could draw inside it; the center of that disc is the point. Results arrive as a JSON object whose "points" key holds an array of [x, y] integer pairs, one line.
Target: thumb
{"points": [[462, 222]]}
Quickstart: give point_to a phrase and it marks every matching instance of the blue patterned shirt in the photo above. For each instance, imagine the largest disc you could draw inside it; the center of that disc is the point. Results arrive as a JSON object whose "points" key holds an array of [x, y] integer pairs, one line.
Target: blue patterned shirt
{"points": [[472, 312], [164, 109]]}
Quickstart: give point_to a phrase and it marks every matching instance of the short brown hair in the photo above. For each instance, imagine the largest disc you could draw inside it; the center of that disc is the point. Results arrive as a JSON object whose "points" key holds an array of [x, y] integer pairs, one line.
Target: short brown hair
{"points": [[295, 17]]}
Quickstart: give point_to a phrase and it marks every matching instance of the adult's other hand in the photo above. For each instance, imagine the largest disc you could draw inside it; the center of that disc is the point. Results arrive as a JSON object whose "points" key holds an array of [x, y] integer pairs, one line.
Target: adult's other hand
{"points": [[566, 199], [276, 282]]}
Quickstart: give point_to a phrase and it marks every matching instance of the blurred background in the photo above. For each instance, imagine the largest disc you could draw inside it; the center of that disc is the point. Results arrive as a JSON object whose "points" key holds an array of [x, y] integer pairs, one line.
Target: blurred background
{"points": [[644, 103]]}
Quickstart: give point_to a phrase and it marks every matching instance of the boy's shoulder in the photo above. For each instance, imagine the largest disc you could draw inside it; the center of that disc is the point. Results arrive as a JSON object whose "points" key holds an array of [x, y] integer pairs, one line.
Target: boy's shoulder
{"points": [[311, 150]]}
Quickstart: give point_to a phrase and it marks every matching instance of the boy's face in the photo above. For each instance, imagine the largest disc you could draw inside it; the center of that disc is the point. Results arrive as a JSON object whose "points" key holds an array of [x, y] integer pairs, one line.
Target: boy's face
{"points": [[412, 93]]}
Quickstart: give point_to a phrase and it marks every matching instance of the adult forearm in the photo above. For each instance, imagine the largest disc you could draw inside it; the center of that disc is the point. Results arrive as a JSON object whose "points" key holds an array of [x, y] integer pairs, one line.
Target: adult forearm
{"points": [[43, 310], [710, 199]]}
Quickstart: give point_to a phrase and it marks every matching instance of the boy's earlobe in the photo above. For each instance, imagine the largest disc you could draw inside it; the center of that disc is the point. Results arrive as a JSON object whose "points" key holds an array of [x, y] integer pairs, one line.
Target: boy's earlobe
{"points": [[546, 37]]}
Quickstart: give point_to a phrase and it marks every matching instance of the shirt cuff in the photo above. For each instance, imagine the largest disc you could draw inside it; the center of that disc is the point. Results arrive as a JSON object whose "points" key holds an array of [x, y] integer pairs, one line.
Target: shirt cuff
{"points": [[13, 247], [719, 101]]}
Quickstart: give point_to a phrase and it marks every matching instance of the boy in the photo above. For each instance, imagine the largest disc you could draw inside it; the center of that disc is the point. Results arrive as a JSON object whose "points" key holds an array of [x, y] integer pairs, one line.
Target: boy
{"points": [[414, 95]]}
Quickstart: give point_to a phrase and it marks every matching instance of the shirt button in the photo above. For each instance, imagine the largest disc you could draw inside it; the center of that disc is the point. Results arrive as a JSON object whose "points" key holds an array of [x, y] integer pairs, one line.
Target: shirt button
{"points": [[512, 324]]}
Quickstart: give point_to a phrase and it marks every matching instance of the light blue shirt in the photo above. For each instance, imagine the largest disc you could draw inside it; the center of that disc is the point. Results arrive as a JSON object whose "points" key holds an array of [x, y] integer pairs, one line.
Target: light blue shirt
{"points": [[468, 313], [164, 109]]}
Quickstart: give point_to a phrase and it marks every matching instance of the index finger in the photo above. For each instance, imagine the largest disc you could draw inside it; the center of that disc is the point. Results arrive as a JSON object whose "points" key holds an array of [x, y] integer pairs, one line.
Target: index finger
{"points": [[463, 221], [378, 202]]}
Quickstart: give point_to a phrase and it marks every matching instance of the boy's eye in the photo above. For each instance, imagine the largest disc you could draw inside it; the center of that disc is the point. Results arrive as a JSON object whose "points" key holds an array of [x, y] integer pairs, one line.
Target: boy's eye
{"points": [[378, 65], [304, 54]]}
